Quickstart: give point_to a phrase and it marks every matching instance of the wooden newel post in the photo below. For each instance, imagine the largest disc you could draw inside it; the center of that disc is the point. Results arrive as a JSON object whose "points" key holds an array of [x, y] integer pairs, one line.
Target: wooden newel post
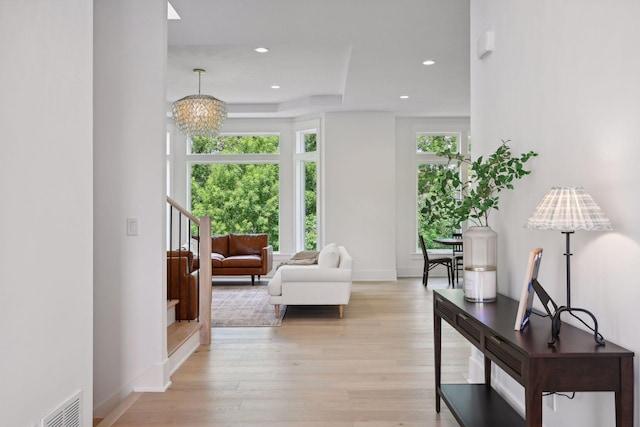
{"points": [[205, 280]]}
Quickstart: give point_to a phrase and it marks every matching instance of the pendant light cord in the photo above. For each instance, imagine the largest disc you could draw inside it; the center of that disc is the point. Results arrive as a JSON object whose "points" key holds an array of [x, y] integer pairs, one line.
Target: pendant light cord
{"points": [[199, 71]]}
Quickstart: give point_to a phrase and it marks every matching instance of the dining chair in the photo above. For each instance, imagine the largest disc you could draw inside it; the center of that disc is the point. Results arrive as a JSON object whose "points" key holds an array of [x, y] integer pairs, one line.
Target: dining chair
{"points": [[458, 259], [430, 263]]}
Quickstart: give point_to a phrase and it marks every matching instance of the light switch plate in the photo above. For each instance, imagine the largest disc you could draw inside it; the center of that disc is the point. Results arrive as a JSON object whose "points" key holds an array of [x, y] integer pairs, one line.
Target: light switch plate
{"points": [[133, 227]]}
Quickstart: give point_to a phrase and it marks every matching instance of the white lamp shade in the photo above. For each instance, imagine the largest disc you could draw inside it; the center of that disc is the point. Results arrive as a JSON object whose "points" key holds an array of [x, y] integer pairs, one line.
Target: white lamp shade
{"points": [[568, 209]]}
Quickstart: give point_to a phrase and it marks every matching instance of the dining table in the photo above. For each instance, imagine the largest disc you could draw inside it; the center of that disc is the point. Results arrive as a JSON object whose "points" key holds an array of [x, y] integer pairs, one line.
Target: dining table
{"points": [[455, 242], [448, 241]]}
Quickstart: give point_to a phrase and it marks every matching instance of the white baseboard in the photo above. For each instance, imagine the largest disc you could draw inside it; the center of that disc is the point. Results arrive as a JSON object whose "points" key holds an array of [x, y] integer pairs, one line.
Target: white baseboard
{"points": [[183, 353], [112, 417], [374, 275], [417, 272], [103, 409], [154, 379]]}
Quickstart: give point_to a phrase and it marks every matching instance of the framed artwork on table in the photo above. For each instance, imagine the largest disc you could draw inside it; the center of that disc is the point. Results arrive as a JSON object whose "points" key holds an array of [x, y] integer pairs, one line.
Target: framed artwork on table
{"points": [[526, 298]]}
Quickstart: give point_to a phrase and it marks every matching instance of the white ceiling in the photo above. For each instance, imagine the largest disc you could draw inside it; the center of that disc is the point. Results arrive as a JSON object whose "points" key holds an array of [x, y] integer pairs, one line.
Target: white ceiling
{"points": [[327, 55]]}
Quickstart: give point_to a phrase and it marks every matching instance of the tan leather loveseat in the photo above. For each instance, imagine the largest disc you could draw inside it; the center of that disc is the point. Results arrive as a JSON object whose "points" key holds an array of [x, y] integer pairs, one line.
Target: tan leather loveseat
{"points": [[240, 254], [182, 284]]}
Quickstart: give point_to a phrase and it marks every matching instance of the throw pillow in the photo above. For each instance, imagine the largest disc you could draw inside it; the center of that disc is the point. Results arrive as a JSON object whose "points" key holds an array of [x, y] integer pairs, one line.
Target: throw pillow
{"points": [[306, 255], [191, 246], [329, 256]]}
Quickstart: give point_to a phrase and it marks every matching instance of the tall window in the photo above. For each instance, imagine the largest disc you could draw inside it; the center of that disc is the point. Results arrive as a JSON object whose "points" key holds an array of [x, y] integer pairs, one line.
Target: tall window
{"points": [[307, 190], [235, 180], [429, 164]]}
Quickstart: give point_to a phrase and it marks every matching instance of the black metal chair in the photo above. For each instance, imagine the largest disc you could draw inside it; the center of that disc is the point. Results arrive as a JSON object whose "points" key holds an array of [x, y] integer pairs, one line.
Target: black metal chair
{"points": [[430, 263], [458, 259]]}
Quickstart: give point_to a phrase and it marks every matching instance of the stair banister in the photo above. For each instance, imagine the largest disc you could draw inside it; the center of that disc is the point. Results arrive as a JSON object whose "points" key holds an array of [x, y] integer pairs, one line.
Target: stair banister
{"points": [[204, 285]]}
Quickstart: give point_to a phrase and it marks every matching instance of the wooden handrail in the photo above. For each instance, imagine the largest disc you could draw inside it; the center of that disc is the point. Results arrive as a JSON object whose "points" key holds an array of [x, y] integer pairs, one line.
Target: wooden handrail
{"points": [[182, 210]]}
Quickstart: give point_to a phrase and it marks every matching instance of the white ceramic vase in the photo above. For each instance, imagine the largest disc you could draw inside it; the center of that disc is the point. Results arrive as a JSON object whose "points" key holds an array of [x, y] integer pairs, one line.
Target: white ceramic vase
{"points": [[480, 246]]}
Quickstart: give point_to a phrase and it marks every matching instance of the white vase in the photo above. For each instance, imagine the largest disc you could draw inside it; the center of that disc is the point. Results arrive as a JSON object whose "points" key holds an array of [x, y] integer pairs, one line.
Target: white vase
{"points": [[480, 246]]}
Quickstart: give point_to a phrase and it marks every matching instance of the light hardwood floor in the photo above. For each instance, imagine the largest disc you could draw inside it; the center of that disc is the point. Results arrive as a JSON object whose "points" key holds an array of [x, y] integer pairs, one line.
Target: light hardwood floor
{"points": [[372, 368]]}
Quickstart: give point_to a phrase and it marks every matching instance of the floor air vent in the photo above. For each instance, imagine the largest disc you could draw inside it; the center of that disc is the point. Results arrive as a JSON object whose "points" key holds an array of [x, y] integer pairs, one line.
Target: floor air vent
{"points": [[69, 414]]}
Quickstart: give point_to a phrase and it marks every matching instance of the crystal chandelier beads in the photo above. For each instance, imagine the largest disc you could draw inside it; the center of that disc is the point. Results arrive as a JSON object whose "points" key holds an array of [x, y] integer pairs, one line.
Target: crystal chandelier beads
{"points": [[199, 115]]}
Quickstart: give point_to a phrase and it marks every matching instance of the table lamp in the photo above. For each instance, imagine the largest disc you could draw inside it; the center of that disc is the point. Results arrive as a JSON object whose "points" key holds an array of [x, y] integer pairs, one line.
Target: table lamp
{"points": [[569, 209]]}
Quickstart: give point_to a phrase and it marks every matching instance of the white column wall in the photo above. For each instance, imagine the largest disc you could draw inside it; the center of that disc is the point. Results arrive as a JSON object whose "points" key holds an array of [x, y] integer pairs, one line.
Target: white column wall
{"points": [[46, 303], [358, 173], [563, 81], [129, 173]]}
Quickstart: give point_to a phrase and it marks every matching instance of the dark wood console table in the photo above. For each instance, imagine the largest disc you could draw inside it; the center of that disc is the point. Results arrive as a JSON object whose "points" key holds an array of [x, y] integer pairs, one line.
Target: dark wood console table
{"points": [[575, 363]]}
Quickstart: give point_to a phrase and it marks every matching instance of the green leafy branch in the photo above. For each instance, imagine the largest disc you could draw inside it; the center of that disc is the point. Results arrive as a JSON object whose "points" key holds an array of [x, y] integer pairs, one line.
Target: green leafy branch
{"points": [[473, 199]]}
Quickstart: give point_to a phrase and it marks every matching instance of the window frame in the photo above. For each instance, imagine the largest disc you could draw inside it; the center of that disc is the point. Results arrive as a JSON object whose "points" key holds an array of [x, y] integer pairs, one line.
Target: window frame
{"points": [[227, 134], [192, 159], [300, 158], [430, 158]]}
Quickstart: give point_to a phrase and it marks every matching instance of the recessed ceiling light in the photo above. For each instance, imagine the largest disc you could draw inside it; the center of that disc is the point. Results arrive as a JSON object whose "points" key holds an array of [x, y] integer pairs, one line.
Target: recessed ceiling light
{"points": [[429, 62], [261, 50], [275, 87], [404, 96]]}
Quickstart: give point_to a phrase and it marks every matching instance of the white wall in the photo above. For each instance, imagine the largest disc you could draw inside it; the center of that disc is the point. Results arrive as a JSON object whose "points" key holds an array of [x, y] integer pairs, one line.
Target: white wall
{"points": [[46, 217], [358, 174], [410, 262], [129, 173], [563, 80]]}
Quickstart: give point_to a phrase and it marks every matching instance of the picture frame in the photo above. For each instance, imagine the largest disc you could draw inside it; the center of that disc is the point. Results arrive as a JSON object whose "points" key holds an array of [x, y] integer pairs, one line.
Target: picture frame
{"points": [[526, 297]]}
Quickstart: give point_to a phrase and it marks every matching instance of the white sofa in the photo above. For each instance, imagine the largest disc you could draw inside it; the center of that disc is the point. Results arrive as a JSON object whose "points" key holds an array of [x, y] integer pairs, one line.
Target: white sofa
{"points": [[325, 283]]}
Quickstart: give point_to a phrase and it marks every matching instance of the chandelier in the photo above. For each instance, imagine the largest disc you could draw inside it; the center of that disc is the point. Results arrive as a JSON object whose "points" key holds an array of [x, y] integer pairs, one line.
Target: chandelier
{"points": [[199, 115]]}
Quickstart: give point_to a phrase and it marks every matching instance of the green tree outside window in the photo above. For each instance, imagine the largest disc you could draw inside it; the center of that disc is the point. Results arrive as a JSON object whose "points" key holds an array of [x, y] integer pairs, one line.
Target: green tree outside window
{"points": [[239, 198], [427, 173], [310, 209], [310, 196], [236, 144]]}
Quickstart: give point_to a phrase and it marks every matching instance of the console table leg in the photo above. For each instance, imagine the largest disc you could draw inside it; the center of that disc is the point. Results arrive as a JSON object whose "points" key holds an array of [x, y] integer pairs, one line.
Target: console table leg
{"points": [[624, 397], [487, 371], [437, 341], [533, 403]]}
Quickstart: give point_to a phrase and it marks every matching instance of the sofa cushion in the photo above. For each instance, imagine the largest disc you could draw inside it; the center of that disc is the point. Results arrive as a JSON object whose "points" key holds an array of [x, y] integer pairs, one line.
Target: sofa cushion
{"points": [[242, 261], [275, 284], [311, 256], [183, 254], [220, 245], [345, 258], [191, 245], [329, 256], [216, 260], [247, 244]]}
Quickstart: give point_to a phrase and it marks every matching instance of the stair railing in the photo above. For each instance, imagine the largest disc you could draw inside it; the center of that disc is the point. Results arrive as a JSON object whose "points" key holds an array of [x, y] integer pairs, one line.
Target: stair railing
{"points": [[183, 225]]}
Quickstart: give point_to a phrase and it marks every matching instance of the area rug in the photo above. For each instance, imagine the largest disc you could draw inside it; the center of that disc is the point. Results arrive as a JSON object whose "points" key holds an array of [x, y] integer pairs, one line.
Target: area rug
{"points": [[243, 305]]}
